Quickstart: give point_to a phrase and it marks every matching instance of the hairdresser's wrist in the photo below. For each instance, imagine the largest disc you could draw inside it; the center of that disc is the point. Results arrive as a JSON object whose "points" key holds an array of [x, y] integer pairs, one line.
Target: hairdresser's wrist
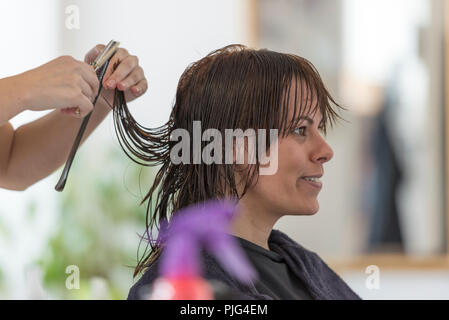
{"points": [[26, 90], [14, 95]]}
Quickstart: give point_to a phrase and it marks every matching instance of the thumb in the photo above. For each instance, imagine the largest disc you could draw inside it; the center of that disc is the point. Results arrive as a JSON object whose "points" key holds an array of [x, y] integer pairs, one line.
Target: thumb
{"points": [[93, 53]]}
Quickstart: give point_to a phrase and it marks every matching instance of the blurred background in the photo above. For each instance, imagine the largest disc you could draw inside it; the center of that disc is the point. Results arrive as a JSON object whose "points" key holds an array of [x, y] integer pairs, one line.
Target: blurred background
{"points": [[383, 204]]}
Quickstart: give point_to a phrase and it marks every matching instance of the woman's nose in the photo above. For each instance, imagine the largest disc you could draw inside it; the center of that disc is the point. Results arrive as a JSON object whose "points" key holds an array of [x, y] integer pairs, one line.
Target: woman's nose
{"points": [[324, 152]]}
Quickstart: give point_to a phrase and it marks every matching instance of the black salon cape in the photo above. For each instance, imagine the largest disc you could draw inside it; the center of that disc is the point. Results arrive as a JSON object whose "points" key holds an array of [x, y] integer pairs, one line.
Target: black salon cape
{"points": [[321, 282]]}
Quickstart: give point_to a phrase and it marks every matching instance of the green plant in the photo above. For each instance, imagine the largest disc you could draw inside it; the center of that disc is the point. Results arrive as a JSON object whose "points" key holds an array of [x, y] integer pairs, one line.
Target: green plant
{"points": [[98, 220]]}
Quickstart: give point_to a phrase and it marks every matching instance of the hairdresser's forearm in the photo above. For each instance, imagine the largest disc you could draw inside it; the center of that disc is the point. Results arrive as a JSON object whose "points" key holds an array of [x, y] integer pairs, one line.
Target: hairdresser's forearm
{"points": [[42, 146], [12, 98]]}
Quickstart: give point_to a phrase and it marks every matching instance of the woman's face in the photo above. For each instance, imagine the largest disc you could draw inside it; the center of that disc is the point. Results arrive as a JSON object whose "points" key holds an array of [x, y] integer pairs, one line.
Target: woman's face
{"points": [[301, 154]]}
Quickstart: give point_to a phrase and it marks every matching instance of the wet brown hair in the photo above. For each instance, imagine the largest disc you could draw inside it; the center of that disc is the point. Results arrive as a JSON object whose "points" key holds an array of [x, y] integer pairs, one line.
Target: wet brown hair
{"points": [[234, 87]]}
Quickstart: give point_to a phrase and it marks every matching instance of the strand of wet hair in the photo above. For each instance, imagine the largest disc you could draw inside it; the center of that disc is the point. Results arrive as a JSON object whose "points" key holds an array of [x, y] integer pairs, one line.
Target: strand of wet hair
{"points": [[145, 146]]}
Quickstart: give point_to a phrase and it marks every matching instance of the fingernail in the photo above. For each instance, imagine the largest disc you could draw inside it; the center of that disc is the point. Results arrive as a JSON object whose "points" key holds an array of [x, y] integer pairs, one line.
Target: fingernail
{"points": [[111, 84], [137, 90], [121, 86]]}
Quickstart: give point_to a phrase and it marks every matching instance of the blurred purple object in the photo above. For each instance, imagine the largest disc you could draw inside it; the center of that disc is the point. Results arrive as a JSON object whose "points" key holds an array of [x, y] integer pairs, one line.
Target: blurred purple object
{"points": [[205, 225]]}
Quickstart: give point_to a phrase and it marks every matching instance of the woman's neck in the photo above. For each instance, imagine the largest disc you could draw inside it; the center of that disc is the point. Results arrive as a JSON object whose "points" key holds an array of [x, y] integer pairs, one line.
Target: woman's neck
{"points": [[253, 224]]}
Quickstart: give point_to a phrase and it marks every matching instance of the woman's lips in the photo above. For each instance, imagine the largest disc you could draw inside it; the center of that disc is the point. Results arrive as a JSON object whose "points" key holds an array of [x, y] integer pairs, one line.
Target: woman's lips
{"points": [[315, 185]]}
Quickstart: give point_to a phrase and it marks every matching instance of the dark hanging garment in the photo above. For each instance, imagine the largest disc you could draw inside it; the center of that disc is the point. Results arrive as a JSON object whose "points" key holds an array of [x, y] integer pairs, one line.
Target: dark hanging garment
{"points": [[276, 279]]}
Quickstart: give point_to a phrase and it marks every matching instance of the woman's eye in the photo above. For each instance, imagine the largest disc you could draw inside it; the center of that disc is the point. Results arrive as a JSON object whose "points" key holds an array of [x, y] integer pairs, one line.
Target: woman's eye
{"points": [[301, 131]]}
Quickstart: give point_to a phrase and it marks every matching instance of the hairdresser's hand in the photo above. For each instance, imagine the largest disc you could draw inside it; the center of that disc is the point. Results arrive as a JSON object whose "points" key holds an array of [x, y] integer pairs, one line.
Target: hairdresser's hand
{"points": [[127, 77], [63, 83]]}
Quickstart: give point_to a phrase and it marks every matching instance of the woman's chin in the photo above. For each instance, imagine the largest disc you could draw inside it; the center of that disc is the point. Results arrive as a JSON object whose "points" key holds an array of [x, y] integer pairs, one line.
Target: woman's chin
{"points": [[302, 213], [305, 210]]}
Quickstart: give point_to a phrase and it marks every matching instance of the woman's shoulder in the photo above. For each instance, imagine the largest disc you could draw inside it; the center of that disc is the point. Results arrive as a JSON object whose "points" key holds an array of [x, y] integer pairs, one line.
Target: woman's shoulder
{"points": [[320, 279]]}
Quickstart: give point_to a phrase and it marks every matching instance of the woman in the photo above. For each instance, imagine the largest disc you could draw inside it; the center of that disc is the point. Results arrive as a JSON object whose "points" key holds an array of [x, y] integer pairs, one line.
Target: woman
{"points": [[240, 88]]}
